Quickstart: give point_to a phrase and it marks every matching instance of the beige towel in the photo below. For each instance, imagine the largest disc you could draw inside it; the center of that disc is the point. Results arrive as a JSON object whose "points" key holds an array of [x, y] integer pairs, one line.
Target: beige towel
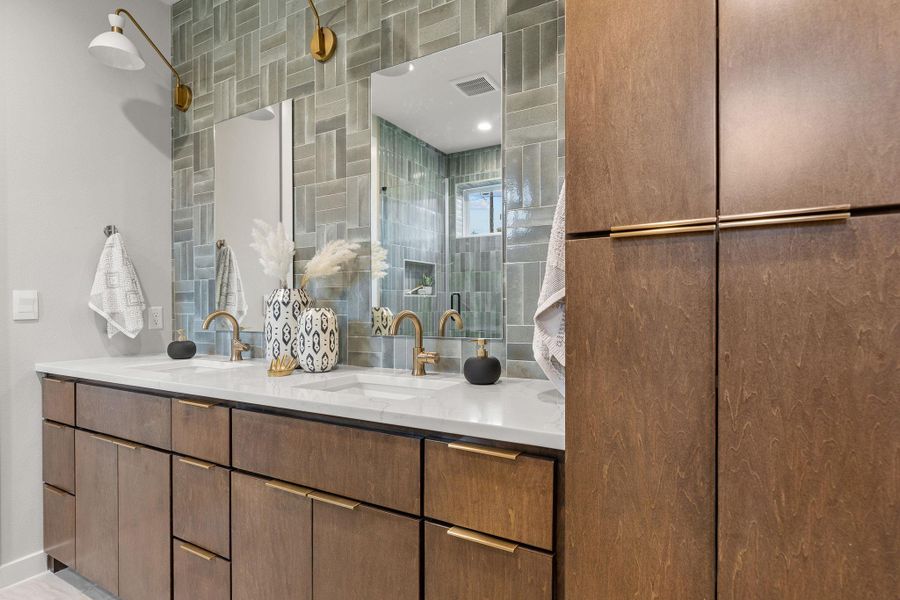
{"points": [[549, 343]]}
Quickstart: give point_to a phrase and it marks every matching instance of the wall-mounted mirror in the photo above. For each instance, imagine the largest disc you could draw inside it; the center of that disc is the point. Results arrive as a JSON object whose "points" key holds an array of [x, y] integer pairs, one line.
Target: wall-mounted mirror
{"points": [[437, 191], [253, 181]]}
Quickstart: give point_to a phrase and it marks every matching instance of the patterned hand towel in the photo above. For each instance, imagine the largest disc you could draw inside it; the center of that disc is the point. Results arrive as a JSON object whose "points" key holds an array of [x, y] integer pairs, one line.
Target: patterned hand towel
{"points": [[116, 294], [549, 343], [229, 286]]}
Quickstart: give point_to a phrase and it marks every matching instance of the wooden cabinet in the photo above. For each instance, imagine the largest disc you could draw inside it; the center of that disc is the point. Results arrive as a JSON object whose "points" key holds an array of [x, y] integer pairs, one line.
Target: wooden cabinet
{"points": [[198, 574], [641, 115], [809, 105], [457, 567], [809, 410], [271, 539], [361, 552], [58, 400], [59, 525], [123, 521], [202, 429], [640, 417], [201, 504], [58, 456], [500, 492], [135, 416]]}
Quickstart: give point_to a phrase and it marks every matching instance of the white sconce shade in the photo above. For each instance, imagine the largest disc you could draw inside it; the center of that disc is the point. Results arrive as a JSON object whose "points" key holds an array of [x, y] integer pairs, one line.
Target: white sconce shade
{"points": [[113, 49]]}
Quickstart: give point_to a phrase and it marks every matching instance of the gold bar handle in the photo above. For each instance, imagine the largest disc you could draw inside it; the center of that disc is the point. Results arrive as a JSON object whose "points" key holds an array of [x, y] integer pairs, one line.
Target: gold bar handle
{"points": [[196, 463], [662, 231], [334, 500], [790, 212], [53, 425], [115, 441], [197, 403], [54, 490], [784, 220], [664, 224], [484, 540], [192, 549], [287, 487], [485, 450]]}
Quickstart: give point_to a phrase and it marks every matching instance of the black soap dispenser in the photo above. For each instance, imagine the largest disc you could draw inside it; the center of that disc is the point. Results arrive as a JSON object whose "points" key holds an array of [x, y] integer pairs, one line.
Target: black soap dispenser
{"points": [[482, 369], [181, 349]]}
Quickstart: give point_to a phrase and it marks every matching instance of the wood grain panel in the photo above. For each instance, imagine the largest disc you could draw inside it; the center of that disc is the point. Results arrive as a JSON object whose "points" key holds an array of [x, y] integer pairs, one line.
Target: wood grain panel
{"points": [[271, 533], [198, 578], [364, 553], [375, 467], [58, 456], [97, 511], [135, 416], [58, 400], [809, 411], [511, 499], [201, 505], [809, 104], [640, 426], [59, 525], [456, 569], [144, 524], [202, 429], [640, 112]]}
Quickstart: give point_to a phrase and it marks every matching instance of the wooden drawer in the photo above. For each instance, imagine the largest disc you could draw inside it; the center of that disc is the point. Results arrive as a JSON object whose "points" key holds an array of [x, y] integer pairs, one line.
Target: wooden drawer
{"points": [[59, 525], [201, 505], [460, 568], [361, 552], [59, 456], [375, 467], [499, 492], [198, 574], [58, 400], [202, 429], [129, 415]]}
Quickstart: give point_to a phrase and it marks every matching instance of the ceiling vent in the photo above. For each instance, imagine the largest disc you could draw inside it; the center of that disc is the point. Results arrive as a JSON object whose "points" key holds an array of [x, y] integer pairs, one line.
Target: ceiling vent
{"points": [[476, 85]]}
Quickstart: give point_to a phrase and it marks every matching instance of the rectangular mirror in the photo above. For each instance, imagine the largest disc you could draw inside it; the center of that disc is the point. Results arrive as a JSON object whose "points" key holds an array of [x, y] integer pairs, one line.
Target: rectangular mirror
{"points": [[253, 181], [437, 191]]}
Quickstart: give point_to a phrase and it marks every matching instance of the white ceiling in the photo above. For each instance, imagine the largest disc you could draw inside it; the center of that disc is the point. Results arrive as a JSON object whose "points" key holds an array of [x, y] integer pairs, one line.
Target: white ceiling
{"points": [[426, 103]]}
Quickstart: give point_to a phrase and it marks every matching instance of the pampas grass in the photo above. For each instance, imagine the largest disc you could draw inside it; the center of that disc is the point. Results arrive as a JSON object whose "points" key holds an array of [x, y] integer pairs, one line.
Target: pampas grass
{"points": [[379, 260], [329, 260], [276, 250]]}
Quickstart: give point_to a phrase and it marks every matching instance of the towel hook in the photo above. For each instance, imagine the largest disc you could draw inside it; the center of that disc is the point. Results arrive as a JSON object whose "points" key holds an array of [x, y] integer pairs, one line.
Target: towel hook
{"points": [[219, 244], [110, 230]]}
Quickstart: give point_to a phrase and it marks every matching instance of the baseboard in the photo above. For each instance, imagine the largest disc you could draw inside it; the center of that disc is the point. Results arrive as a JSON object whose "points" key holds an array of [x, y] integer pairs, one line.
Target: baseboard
{"points": [[22, 569]]}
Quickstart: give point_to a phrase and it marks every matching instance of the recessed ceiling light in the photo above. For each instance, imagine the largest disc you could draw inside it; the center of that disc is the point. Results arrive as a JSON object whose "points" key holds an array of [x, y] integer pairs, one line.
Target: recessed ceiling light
{"points": [[485, 126]]}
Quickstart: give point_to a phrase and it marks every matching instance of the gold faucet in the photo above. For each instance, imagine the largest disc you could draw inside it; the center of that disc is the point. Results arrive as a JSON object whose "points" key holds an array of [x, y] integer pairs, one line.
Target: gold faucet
{"points": [[237, 346], [450, 315], [420, 357]]}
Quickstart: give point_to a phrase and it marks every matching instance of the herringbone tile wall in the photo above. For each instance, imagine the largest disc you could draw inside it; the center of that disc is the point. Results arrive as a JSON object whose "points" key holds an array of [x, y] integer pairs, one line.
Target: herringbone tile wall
{"points": [[241, 55]]}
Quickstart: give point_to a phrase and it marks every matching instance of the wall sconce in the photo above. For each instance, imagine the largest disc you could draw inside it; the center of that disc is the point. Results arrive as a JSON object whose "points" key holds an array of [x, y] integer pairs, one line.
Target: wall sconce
{"points": [[324, 41], [113, 49]]}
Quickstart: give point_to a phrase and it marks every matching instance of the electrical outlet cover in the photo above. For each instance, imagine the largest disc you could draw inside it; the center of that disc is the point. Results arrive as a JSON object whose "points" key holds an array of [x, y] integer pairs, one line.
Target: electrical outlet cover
{"points": [[156, 317]]}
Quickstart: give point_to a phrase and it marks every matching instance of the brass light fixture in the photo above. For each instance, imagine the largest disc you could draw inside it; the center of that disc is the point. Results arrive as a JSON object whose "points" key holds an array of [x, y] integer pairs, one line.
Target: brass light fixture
{"points": [[324, 41], [113, 49]]}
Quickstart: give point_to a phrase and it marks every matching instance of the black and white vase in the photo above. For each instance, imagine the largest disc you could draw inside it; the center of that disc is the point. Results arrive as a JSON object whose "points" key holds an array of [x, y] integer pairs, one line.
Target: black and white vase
{"points": [[382, 317], [317, 340], [283, 309]]}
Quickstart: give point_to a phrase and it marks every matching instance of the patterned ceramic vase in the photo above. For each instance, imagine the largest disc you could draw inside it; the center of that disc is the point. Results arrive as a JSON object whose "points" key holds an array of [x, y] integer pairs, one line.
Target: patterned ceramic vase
{"points": [[317, 340], [382, 317], [283, 309]]}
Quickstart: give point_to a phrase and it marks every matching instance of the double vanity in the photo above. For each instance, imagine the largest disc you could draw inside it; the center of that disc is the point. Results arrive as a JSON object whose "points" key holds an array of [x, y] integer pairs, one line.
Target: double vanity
{"points": [[205, 479]]}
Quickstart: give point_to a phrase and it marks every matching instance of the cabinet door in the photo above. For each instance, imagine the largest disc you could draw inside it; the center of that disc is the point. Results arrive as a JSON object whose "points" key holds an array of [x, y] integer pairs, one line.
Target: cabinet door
{"points": [[271, 540], [59, 456], [809, 411], [144, 524], [59, 525], [360, 552], [640, 112], [809, 104], [640, 417], [97, 510]]}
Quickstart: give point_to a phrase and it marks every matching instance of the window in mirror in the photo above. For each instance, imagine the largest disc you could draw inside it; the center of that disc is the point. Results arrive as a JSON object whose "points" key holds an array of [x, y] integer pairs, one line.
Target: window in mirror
{"points": [[482, 211]]}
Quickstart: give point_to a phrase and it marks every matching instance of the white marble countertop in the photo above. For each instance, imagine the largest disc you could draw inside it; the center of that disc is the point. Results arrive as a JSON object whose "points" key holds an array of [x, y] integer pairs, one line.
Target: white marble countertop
{"points": [[524, 411]]}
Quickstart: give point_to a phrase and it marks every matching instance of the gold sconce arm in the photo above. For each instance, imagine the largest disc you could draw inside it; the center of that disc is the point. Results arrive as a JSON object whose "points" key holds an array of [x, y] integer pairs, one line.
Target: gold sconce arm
{"points": [[324, 42]]}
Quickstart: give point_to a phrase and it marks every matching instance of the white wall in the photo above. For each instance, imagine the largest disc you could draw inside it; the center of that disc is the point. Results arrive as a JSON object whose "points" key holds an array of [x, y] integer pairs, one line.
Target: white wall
{"points": [[81, 146]]}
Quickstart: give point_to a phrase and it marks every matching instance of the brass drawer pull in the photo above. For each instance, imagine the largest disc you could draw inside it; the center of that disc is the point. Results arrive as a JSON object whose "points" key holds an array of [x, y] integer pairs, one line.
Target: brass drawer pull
{"points": [[197, 403], [486, 450], [334, 500], [785, 213], [196, 463], [664, 224], [54, 425], [484, 540], [112, 440], [287, 487], [661, 231], [197, 551], [784, 220], [54, 490]]}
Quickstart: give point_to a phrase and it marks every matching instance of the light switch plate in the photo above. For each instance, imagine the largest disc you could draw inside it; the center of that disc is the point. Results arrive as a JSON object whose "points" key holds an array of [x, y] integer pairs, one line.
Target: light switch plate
{"points": [[156, 317], [25, 305]]}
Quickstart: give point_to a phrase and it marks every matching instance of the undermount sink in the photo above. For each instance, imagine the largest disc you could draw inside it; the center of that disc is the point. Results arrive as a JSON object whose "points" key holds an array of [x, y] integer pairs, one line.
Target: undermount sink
{"points": [[385, 387], [192, 365]]}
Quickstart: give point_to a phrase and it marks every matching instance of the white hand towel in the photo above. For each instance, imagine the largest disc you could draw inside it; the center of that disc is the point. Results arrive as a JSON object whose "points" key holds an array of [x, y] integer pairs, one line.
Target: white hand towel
{"points": [[116, 294], [229, 285], [550, 317]]}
